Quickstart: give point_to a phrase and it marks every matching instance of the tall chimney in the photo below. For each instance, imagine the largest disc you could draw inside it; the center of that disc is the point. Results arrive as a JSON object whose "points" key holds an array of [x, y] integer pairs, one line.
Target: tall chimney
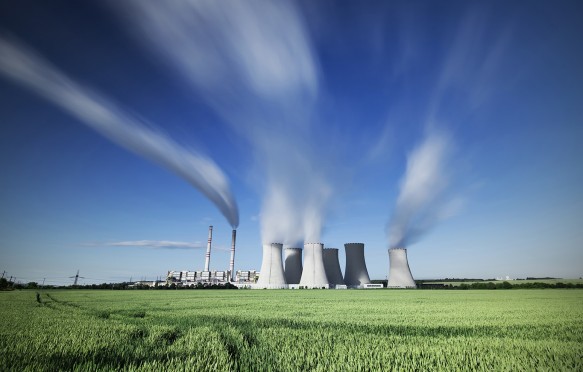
{"points": [[232, 262], [207, 257]]}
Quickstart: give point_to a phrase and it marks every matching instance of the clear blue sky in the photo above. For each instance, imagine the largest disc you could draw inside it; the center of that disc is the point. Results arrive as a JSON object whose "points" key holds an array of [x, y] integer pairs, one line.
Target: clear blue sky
{"points": [[315, 112]]}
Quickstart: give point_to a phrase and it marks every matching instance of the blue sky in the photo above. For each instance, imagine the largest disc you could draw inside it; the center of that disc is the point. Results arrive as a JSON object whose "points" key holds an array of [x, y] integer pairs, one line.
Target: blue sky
{"points": [[454, 125]]}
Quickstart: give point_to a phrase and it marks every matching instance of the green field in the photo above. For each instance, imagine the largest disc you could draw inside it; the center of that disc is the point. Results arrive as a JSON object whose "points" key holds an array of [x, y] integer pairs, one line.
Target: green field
{"points": [[321, 330]]}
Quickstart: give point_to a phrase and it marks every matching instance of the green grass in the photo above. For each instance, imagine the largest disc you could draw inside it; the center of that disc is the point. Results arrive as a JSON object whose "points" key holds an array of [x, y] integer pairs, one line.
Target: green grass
{"points": [[321, 330]]}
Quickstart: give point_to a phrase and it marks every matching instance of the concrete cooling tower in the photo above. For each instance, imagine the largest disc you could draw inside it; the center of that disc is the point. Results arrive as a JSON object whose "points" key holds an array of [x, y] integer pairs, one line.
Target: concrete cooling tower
{"points": [[314, 274], [271, 275], [356, 274], [332, 266], [399, 272], [293, 265]]}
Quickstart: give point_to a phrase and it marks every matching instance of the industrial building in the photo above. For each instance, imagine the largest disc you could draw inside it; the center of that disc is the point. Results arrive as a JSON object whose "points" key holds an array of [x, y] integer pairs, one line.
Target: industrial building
{"points": [[187, 278]]}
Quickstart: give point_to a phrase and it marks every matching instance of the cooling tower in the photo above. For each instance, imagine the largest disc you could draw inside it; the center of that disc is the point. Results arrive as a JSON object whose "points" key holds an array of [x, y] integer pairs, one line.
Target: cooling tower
{"points": [[332, 266], [232, 261], [271, 275], [355, 274], [314, 274], [399, 272], [293, 265], [207, 257]]}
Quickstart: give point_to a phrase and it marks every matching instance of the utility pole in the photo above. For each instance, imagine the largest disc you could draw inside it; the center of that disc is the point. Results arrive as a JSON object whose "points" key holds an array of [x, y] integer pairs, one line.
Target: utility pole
{"points": [[4, 272], [44, 281]]}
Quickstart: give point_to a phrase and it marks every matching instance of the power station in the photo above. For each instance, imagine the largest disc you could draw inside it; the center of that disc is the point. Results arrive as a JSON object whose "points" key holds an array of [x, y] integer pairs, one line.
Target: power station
{"points": [[318, 268]]}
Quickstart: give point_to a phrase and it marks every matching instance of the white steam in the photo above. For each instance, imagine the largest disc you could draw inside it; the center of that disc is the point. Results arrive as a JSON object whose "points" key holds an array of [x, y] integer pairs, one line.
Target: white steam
{"points": [[30, 70], [253, 64], [423, 198]]}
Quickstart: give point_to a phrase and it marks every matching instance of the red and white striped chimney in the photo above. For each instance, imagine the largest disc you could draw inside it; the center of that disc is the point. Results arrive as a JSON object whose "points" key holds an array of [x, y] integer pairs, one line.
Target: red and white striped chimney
{"points": [[207, 257], [232, 262]]}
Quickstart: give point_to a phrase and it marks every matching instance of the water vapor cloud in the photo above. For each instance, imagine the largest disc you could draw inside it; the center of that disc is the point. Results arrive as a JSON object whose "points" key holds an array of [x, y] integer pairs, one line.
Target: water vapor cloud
{"points": [[254, 64], [30, 70], [424, 196]]}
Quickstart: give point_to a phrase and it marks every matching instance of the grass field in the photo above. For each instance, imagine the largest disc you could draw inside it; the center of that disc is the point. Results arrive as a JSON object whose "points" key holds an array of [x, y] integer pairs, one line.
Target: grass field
{"points": [[321, 330]]}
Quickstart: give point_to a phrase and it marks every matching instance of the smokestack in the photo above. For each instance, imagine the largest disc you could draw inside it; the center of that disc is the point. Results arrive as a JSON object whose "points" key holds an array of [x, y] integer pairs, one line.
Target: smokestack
{"points": [[207, 257], [314, 274], [399, 271], [293, 265], [356, 274], [332, 266], [232, 262], [271, 275]]}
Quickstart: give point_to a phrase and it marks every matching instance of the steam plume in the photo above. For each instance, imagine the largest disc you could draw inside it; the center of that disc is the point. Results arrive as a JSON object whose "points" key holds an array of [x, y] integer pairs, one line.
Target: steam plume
{"points": [[423, 198], [253, 64], [30, 70]]}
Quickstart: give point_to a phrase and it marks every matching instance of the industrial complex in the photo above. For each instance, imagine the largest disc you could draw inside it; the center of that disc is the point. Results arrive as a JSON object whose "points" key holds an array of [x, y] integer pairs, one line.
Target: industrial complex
{"points": [[287, 269]]}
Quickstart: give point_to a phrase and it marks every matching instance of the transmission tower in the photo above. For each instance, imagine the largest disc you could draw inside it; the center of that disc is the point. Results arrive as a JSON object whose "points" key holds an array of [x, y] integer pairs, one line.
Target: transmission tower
{"points": [[77, 277]]}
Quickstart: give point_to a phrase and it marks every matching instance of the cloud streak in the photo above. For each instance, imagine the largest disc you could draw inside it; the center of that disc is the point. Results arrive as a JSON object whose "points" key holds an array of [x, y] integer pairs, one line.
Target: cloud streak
{"points": [[30, 70], [157, 244], [259, 48], [254, 65]]}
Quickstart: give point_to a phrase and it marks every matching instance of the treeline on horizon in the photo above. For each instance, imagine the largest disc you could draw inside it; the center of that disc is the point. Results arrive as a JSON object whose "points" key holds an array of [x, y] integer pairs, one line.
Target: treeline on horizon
{"points": [[8, 285], [499, 285], [421, 284]]}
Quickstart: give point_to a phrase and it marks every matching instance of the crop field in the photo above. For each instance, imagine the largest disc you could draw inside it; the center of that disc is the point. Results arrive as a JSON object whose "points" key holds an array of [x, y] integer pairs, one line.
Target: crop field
{"points": [[293, 330]]}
